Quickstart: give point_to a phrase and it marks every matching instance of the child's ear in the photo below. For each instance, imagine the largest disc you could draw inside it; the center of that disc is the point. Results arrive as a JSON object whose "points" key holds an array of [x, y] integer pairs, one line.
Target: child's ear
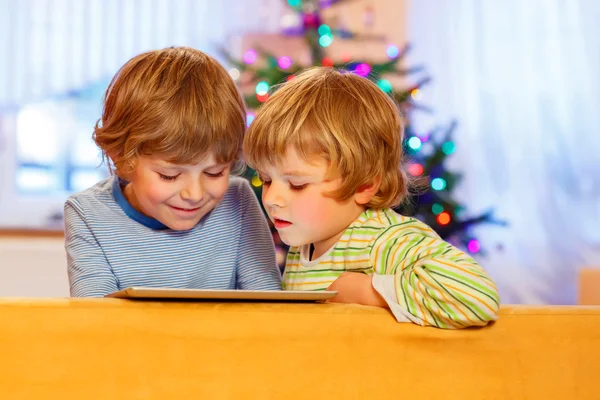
{"points": [[365, 192]]}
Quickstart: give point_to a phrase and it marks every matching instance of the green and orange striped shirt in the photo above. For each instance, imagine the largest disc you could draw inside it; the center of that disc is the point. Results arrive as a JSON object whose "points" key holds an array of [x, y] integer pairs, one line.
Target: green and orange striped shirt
{"points": [[423, 278]]}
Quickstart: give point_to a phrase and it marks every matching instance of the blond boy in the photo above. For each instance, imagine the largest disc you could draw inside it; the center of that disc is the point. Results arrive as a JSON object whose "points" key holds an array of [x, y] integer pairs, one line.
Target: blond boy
{"points": [[328, 148]]}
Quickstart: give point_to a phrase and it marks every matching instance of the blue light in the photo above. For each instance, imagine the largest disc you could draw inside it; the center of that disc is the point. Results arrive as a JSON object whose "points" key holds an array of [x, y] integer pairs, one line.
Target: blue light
{"points": [[324, 30], [414, 143], [262, 88], [392, 51], [437, 208], [438, 184], [448, 148], [325, 40], [385, 85]]}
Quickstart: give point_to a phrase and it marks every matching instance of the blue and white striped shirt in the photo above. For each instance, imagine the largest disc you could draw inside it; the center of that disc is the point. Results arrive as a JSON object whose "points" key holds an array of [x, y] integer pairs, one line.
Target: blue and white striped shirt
{"points": [[111, 246]]}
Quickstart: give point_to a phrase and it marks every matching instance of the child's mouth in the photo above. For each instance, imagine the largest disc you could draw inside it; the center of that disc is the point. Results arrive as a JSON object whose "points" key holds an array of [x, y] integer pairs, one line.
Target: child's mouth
{"points": [[185, 210], [281, 223]]}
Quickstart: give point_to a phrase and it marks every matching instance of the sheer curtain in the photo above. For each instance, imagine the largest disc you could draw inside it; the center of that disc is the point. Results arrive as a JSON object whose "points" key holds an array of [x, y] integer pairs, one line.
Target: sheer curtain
{"points": [[53, 46], [522, 79]]}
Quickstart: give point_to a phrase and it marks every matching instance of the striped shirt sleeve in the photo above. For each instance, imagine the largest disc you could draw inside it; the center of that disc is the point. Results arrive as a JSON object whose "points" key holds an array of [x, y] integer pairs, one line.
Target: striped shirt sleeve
{"points": [[89, 273], [435, 283], [257, 266]]}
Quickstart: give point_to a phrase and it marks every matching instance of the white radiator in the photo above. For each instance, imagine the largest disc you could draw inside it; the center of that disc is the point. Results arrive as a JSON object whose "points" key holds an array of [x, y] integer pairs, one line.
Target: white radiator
{"points": [[33, 267]]}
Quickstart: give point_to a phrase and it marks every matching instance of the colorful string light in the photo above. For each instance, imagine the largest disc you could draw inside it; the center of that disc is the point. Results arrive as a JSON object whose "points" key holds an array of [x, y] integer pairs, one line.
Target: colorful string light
{"points": [[385, 85], [392, 51], [262, 97], [416, 94], [250, 56], [448, 148], [284, 62], [249, 118], [443, 218], [262, 88], [327, 62], [325, 40], [416, 169], [474, 246], [256, 182], [438, 184], [234, 73], [362, 69], [424, 136], [437, 208], [324, 30], [415, 143]]}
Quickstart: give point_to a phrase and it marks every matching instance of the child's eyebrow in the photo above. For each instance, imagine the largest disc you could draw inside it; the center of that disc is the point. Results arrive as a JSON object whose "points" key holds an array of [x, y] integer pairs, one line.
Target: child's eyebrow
{"points": [[169, 165], [296, 173], [165, 164]]}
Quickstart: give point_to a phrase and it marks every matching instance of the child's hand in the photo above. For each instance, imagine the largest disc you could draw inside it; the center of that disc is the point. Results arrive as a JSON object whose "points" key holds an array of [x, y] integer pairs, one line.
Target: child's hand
{"points": [[356, 287]]}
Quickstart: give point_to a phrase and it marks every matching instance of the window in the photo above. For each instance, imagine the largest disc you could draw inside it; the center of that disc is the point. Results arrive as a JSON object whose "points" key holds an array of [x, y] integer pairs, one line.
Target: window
{"points": [[54, 149]]}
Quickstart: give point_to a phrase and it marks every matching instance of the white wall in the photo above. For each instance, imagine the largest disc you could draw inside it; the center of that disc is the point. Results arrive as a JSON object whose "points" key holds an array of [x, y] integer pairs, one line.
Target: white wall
{"points": [[33, 267]]}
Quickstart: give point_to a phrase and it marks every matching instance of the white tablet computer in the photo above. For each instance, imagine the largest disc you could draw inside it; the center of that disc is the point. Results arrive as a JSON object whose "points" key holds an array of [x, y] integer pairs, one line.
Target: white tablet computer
{"points": [[208, 294]]}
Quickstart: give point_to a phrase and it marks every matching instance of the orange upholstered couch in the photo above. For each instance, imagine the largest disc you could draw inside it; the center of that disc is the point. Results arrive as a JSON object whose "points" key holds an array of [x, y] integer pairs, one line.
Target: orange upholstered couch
{"points": [[120, 349], [589, 286]]}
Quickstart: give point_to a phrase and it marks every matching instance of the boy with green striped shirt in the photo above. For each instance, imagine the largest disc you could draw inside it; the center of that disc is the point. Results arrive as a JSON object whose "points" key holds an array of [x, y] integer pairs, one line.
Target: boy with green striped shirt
{"points": [[328, 149]]}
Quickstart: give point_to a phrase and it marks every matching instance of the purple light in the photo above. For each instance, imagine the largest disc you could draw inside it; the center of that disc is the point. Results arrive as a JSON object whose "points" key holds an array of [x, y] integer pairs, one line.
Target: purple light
{"points": [[474, 246], [423, 136], [284, 62], [363, 69], [250, 56]]}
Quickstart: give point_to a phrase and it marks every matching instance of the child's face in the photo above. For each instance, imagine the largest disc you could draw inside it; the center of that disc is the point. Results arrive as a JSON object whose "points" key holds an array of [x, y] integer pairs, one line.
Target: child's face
{"points": [[177, 195], [302, 214]]}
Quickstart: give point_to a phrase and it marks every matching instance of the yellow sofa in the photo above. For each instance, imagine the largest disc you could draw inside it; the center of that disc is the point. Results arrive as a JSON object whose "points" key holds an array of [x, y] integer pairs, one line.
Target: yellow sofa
{"points": [[121, 349]]}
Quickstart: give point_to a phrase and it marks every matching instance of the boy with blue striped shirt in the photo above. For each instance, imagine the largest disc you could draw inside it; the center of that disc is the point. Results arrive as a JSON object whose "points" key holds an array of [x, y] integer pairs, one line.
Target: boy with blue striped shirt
{"points": [[169, 216]]}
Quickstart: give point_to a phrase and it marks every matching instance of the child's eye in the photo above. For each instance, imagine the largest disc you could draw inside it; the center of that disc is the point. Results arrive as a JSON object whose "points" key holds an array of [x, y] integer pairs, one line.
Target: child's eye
{"points": [[214, 175], [167, 177], [298, 188]]}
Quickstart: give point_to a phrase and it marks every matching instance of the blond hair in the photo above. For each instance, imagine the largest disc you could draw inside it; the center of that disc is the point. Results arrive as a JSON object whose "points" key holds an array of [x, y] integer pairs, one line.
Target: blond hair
{"points": [[177, 103], [342, 117]]}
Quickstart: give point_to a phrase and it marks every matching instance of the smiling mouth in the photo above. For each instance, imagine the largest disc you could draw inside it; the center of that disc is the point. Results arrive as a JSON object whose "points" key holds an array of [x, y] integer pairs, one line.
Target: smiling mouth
{"points": [[185, 209]]}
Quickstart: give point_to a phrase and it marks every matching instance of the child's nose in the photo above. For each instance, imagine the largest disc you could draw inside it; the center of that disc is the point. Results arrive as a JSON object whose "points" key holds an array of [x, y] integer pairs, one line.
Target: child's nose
{"points": [[272, 196], [193, 192]]}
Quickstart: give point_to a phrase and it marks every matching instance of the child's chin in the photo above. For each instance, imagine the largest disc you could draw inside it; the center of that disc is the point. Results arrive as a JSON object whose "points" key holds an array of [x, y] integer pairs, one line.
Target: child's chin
{"points": [[180, 225], [292, 242]]}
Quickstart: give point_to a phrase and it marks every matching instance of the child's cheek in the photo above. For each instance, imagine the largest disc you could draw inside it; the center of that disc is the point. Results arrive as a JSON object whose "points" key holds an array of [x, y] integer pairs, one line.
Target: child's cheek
{"points": [[221, 188], [312, 211], [159, 193]]}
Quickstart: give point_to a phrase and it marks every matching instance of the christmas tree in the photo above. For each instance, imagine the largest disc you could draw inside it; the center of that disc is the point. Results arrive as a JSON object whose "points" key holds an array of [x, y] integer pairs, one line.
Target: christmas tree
{"points": [[431, 200]]}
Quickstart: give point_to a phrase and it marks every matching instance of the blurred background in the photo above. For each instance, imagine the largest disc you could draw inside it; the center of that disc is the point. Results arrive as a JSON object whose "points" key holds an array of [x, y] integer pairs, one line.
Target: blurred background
{"points": [[500, 100]]}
